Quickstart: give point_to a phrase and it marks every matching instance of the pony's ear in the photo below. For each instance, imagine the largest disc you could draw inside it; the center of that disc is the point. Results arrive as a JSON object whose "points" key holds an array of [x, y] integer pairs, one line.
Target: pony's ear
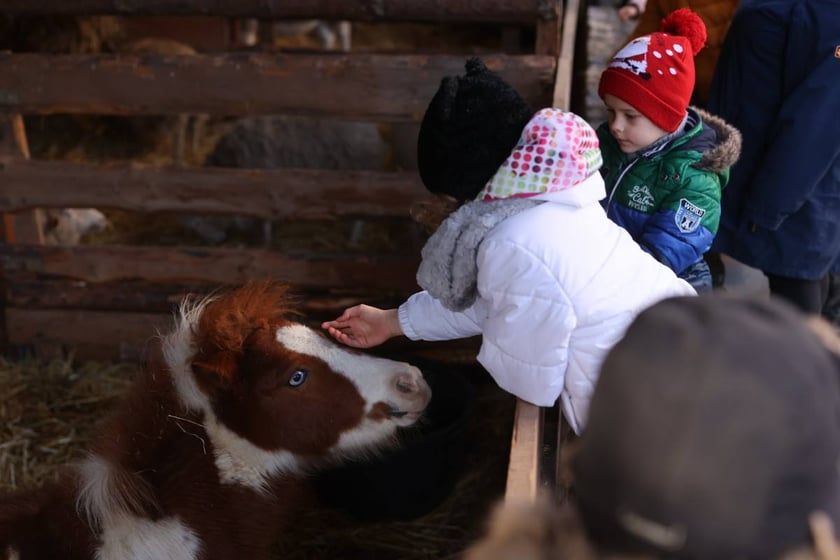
{"points": [[215, 372]]}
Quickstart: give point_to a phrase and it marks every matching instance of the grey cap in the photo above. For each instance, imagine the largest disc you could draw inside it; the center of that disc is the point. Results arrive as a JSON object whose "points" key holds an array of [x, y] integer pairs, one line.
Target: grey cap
{"points": [[714, 432]]}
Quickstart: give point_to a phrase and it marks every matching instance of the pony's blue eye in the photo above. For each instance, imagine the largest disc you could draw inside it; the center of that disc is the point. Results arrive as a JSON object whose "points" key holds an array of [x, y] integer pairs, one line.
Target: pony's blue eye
{"points": [[298, 377]]}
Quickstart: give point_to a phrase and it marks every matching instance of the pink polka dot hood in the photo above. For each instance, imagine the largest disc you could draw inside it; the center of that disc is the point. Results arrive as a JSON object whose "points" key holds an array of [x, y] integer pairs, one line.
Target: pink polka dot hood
{"points": [[556, 152]]}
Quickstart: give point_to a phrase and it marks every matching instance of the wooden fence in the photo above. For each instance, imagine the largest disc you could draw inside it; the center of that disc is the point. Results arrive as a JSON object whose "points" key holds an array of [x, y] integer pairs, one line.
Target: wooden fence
{"points": [[108, 299]]}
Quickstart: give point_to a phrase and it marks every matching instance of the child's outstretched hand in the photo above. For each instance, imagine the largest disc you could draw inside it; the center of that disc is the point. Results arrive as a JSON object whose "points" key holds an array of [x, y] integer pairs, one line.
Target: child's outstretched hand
{"points": [[363, 326]]}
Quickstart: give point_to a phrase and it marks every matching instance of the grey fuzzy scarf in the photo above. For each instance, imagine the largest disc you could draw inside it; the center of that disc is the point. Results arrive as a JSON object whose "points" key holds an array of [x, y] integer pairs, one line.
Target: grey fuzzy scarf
{"points": [[448, 270]]}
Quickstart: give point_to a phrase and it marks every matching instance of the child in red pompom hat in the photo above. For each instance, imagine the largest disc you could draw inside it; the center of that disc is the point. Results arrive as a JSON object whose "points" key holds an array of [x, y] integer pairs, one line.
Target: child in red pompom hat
{"points": [[665, 163]]}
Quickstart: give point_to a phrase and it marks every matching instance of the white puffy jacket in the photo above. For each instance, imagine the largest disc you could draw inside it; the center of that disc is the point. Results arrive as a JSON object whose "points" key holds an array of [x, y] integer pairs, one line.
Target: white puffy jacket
{"points": [[558, 285]]}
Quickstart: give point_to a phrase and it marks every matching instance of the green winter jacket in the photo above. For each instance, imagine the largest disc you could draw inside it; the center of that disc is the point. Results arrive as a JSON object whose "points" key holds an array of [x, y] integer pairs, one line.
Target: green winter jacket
{"points": [[668, 195]]}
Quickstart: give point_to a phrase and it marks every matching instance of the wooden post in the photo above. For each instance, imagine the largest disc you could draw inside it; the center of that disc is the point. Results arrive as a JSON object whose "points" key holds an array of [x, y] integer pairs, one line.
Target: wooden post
{"points": [[562, 98], [523, 479], [580, 62], [549, 31], [21, 227]]}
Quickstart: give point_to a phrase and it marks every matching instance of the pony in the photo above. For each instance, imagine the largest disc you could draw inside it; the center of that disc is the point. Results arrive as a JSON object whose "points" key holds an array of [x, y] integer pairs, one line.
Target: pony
{"points": [[203, 458]]}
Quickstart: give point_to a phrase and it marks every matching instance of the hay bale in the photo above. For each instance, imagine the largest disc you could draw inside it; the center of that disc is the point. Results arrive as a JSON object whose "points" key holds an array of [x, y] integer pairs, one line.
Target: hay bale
{"points": [[49, 412]]}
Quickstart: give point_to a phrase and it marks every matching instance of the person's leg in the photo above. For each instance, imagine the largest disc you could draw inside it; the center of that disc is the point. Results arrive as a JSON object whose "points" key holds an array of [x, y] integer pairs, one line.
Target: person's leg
{"points": [[717, 268], [831, 307], [807, 295]]}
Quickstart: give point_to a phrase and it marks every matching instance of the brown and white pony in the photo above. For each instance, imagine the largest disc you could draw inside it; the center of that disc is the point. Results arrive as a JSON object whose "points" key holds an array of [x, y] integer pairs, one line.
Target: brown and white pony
{"points": [[206, 452]]}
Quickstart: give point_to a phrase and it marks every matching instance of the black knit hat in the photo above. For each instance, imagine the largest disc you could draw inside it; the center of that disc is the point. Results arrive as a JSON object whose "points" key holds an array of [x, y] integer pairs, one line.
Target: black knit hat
{"points": [[469, 129], [714, 432]]}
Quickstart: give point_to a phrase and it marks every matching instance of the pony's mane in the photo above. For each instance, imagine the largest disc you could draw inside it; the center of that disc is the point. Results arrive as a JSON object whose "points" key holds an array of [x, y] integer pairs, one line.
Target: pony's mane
{"points": [[218, 324]]}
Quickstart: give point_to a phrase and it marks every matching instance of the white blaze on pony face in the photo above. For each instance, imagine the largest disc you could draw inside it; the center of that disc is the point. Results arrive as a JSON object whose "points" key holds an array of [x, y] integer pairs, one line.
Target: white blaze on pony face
{"points": [[395, 388]]}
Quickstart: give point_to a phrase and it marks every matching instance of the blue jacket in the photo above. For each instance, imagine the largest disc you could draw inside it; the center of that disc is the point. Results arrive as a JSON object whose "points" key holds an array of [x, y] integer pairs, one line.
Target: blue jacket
{"points": [[778, 82]]}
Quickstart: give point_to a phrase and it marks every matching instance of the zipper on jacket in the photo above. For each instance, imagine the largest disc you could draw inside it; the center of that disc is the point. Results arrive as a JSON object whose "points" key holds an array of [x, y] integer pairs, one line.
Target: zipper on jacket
{"points": [[646, 155], [618, 182]]}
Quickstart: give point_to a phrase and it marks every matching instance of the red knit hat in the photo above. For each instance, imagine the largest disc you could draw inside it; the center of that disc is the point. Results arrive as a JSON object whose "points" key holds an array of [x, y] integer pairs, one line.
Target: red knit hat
{"points": [[655, 73]]}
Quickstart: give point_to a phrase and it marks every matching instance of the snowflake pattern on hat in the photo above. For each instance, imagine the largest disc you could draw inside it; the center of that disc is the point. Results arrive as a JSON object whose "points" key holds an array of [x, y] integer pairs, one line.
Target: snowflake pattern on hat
{"points": [[557, 150]]}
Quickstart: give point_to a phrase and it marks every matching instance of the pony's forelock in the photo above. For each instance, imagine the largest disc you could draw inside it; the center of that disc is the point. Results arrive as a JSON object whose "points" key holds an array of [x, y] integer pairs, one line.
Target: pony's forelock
{"points": [[226, 322]]}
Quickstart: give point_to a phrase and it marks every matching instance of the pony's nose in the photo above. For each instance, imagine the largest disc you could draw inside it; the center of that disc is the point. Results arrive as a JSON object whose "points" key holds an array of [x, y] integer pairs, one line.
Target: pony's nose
{"points": [[411, 384], [407, 383]]}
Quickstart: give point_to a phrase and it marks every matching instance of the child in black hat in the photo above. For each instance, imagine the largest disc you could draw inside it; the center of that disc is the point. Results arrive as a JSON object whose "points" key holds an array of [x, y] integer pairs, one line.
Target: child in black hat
{"points": [[529, 260]]}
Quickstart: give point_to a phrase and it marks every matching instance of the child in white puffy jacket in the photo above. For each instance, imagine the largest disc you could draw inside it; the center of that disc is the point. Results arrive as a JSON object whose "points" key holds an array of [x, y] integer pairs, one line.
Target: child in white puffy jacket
{"points": [[529, 260]]}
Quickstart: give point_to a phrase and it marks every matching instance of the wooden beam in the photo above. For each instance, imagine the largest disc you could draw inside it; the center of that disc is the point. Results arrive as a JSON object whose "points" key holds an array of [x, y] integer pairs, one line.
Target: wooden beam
{"points": [[267, 193], [562, 97], [31, 291], [523, 479], [25, 227], [100, 335], [381, 273], [124, 336], [580, 62], [79, 326], [548, 32], [356, 86], [7, 149], [478, 11]]}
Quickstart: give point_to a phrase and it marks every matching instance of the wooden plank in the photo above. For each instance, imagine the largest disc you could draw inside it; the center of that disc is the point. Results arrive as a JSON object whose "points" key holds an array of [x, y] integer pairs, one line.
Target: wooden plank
{"points": [[478, 11], [385, 273], [580, 61], [203, 33], [27, 227], [13, 136], [24, 228], [266, 193], [548, 33], [525, 453], [562, 97], [100, 335], [356, 86], [29, 291], [8, 233], [124, 336]]}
